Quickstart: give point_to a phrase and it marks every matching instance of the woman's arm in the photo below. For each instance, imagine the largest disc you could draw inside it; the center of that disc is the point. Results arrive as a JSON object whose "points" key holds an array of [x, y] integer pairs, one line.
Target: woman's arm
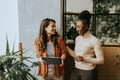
{"points": [[37, 48], [99, 57], [71, 52], [63, 48]]}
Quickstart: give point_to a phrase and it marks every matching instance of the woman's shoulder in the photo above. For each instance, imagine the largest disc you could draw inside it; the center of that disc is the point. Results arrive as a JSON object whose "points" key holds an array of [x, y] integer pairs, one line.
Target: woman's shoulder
{"points": [[37, 41], [95, 39], [78, 37], [59, 37]]}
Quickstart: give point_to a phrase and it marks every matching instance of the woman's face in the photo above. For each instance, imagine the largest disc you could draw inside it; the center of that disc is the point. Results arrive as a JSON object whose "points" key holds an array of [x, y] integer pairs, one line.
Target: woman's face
{"points": [[51, 28], [80, 28]]}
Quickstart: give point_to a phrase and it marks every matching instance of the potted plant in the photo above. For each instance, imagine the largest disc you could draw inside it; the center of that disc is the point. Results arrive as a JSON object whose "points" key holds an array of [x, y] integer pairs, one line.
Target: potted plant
{"points": [[11, 67]]}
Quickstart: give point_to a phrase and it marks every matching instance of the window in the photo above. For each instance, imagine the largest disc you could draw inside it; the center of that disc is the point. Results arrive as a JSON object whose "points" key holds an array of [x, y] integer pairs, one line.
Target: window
{"points": [[105, 23]]}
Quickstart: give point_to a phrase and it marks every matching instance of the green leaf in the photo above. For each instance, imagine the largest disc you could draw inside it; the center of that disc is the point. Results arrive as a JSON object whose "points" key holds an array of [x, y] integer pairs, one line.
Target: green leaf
{"points": [[34, 64], [118, 57], [13, 73], [25, 50], [13, 48], [7, 46], [11, 67]]}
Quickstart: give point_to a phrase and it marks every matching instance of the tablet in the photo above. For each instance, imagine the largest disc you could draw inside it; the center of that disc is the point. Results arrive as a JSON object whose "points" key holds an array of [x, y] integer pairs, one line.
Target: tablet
{"points": [[52, 60]]}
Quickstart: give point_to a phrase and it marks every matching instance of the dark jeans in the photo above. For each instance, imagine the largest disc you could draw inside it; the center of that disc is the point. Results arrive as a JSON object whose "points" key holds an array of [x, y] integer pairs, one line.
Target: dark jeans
{"points": [[79, 74]]}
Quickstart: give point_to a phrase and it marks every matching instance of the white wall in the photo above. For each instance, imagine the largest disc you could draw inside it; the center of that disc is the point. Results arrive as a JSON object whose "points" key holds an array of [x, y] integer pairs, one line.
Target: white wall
{"points": [[8, 24], [31, 13]]}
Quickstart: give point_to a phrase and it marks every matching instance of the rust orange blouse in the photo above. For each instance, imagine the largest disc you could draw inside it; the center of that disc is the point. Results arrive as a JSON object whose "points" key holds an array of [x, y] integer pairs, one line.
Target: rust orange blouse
{"points": [[59, 52]]}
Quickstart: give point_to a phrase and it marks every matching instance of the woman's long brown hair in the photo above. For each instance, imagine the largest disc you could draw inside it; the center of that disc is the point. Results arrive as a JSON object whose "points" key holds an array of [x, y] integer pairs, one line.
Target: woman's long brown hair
{"points": [[42, 36]]}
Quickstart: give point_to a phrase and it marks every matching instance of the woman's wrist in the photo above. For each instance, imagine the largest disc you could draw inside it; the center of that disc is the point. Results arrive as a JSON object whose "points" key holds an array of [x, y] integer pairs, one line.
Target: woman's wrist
{"points": [[79, 58], [40, 59]]}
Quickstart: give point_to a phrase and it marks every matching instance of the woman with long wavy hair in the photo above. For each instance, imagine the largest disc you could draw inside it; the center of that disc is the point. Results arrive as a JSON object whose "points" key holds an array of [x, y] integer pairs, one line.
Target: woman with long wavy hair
{"points": [[50, 44]]}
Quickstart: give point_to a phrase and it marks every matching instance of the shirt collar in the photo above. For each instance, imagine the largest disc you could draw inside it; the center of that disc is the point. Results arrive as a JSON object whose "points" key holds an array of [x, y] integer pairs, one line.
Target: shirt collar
{"points": [[86, 35]]}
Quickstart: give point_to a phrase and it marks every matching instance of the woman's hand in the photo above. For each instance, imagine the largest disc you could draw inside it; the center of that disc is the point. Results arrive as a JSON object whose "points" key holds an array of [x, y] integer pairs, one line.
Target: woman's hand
{"points": [[79, 58], [41, 60], [62, 63]]}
